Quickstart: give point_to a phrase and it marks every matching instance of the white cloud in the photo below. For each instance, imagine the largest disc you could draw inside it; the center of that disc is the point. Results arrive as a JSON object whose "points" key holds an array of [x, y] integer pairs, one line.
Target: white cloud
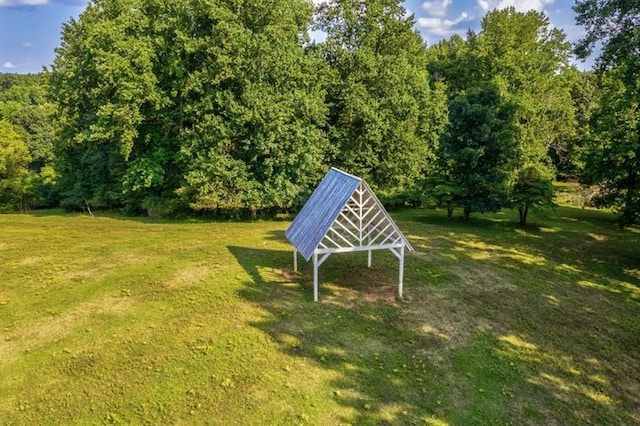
{"points": [[17, 3], [574, 32], [27, 44], [520, 5], [8, 65], [437, 21], [34, 3], [441, 27], [436, 8]]}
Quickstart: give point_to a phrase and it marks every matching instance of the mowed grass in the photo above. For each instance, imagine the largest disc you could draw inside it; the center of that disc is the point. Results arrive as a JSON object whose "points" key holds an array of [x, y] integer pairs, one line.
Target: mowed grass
{"points": [[115, 320]]}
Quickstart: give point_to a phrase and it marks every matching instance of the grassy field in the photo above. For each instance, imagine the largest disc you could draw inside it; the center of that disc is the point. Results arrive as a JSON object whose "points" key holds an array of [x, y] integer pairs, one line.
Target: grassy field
{"points": [[116, 320]]}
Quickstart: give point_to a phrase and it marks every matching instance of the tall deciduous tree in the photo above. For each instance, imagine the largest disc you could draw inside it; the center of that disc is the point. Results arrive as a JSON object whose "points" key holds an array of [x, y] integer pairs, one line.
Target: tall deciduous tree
{"points": [[384, 117], [612, 160], [208, 104], [102, 82], [257, 107], [450, 61], [566, 150], [528, 60]]}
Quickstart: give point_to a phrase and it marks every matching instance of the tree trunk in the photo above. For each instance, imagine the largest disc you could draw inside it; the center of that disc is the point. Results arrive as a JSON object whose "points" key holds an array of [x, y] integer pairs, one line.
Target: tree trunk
{"points": [[523, 215], [466, 213], [449, 212]]}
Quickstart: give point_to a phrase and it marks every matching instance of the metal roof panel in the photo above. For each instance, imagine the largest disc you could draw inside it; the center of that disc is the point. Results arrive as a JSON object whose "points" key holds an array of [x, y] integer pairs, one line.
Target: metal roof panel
{"points": [[321, 210]]}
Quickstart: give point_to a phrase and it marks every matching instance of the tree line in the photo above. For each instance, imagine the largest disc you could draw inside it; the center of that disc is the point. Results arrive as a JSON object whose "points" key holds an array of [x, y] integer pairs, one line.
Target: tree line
{"points": [[27, 175], [161, 106]]}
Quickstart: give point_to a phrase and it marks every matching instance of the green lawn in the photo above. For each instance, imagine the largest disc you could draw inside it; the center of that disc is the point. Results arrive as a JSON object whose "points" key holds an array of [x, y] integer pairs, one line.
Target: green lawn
{"points": [[115, 320]]}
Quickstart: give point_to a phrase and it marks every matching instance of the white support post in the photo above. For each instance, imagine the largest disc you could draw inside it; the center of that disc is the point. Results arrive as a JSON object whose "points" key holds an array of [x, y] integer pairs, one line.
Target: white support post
{"points": [[295, 260], [401, 270], [315, 277], [369, 259]]}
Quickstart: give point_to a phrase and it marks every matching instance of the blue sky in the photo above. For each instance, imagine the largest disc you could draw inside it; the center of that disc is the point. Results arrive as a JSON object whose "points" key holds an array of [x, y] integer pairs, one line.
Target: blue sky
{"points": [[442, 18], [30, 29]]}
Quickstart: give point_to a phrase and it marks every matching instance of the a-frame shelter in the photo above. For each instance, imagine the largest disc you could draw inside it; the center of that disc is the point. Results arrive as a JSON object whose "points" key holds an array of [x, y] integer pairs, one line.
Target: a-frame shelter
{"points": [[344, 215]]}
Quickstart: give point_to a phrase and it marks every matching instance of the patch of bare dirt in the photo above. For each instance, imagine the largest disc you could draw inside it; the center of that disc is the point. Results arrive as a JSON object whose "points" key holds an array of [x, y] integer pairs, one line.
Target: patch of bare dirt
{"points": [[188, 277]]}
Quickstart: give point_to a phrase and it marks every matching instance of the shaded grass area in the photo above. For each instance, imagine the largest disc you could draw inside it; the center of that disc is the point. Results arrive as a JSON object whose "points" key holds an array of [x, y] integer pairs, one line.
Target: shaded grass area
{"points": [[135, 321]]}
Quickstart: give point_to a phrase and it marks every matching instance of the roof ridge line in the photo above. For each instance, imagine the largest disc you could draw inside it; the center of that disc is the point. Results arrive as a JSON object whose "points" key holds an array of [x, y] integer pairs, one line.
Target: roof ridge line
{"points": [[347, 174]]}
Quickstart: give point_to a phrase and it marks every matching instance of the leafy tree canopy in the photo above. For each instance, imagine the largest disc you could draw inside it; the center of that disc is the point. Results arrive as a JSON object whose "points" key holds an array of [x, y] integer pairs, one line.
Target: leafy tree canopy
{"points": [[527, 60], [23, 103], [533, 187], [204, 104], [384, 118], [611, 157], [477, 152], [615, 24], [14, 175]]}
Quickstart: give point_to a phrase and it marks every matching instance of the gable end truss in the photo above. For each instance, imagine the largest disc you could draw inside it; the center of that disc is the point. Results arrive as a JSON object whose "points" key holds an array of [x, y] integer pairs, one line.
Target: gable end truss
{"points": [[362, 225]]}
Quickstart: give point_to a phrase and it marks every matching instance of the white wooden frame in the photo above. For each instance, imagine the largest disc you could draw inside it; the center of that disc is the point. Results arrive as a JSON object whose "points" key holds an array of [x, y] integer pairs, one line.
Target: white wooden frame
{"points": [[362, 225]]}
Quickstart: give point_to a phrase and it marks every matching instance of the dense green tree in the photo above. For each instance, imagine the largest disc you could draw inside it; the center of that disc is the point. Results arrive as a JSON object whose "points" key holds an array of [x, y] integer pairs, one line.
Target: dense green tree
{"points": [[258, 142], [566, 149], [450, 62], [612, 157], [384, 118], [207, 104], [476, 154], [615, 25], [533, 187], [23, 103], [15, 178], [528, 60], [103, 83]]}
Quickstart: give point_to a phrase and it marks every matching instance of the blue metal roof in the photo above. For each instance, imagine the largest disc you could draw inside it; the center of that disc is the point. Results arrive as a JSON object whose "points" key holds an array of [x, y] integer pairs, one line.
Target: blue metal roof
{"points": [[321, 210]]}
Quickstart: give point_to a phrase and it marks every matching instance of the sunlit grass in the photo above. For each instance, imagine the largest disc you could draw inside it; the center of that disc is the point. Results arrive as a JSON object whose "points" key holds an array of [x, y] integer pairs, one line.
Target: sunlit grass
{"points": [[117, 320]]}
